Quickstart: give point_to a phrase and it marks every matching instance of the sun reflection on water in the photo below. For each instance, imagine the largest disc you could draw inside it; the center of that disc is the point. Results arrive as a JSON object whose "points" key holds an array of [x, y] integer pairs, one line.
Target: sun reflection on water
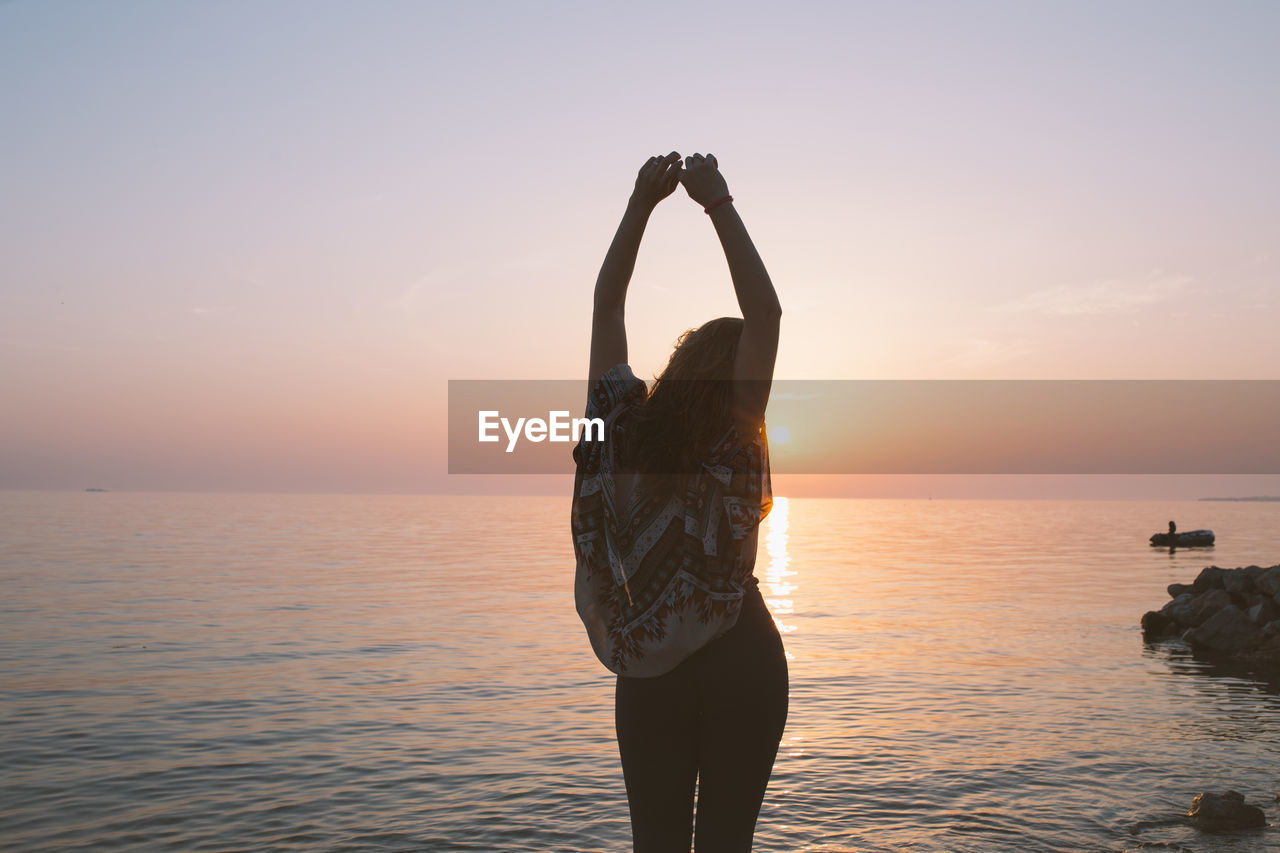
{"points": [[779, 568]]}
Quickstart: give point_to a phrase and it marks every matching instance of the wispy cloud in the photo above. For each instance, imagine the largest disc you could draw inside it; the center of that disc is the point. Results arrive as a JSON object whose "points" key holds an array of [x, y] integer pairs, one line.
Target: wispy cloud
{"points": [[442, 286], [429, 289], [1108, 296]]}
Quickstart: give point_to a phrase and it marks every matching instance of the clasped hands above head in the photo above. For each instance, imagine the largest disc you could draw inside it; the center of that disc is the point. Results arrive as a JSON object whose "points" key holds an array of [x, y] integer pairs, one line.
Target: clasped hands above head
{"points": [[699, 174]]}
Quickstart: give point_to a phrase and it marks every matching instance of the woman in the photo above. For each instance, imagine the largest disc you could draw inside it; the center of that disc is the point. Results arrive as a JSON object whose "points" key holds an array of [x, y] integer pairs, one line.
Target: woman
{"points": [[665, 518]]}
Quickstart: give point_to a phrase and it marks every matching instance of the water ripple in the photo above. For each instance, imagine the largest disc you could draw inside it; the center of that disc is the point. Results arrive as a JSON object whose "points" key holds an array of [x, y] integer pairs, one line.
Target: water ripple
{"points": [[205, 672]]}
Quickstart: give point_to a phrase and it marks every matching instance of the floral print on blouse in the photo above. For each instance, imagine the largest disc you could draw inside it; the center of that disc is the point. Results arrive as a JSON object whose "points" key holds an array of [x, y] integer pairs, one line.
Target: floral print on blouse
{"points": [[659, 579]]}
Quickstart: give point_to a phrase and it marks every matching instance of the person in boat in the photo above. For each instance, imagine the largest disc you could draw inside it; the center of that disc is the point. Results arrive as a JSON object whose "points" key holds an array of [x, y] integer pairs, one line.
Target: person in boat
{"points": [[1173, 529], [710, 723]]}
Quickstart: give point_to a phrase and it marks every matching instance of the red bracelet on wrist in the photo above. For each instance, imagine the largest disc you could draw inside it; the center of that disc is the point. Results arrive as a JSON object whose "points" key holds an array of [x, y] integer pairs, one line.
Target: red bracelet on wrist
{"points": [[707, 210]]}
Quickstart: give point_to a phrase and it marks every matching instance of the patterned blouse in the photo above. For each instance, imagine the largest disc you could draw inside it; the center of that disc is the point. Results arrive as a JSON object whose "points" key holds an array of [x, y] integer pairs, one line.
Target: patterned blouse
{"points": [[660, 578]]}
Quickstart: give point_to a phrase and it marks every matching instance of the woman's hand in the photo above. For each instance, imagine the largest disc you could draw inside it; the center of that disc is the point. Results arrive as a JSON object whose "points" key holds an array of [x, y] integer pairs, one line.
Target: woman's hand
{"points": [[657, 180], [702, 179]]}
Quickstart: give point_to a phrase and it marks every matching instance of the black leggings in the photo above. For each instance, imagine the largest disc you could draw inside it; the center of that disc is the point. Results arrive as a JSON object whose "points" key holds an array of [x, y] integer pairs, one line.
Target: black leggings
{"points": [[716, 718]]}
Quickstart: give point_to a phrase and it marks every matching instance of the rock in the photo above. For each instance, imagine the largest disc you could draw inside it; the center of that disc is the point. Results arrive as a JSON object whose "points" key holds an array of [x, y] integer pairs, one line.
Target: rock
{"points": [[1261, 613], [1200, 608], [1267, 653], [1209, 578], [1228, 630], [1170, 606], [1225, 613], [1268, 581], [1156, 624], [1226, 811], [1237, 582]]}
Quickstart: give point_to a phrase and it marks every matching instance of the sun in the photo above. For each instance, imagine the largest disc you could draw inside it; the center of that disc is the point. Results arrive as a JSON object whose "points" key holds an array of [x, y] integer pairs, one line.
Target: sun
{"points": [[779, 435]]}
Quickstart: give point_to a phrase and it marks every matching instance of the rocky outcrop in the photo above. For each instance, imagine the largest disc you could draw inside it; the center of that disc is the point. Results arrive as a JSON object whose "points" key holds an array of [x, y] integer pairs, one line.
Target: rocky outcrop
{"points": [[1226, 811], [1232, 613]]}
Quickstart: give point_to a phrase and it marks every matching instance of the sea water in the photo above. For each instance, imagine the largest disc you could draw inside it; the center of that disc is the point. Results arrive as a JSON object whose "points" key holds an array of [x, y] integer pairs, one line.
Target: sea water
{"points": [[267, 672]]}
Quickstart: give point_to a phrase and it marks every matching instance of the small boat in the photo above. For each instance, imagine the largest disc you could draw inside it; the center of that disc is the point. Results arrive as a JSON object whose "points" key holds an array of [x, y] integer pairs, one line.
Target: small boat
{"points": [[1190, 539]]}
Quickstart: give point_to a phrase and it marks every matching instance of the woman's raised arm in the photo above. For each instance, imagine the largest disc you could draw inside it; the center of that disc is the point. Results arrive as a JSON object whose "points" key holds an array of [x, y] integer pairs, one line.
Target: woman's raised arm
{"points": [[761, 311], [657, 179]]}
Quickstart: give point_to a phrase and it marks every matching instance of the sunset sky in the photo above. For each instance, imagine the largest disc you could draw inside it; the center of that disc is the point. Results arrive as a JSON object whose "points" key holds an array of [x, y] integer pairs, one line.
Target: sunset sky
{"points": [[244, 245]]}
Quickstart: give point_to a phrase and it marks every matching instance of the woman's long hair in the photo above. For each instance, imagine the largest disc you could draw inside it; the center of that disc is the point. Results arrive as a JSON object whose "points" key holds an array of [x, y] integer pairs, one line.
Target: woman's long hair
{"points": [[687, 409]]}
